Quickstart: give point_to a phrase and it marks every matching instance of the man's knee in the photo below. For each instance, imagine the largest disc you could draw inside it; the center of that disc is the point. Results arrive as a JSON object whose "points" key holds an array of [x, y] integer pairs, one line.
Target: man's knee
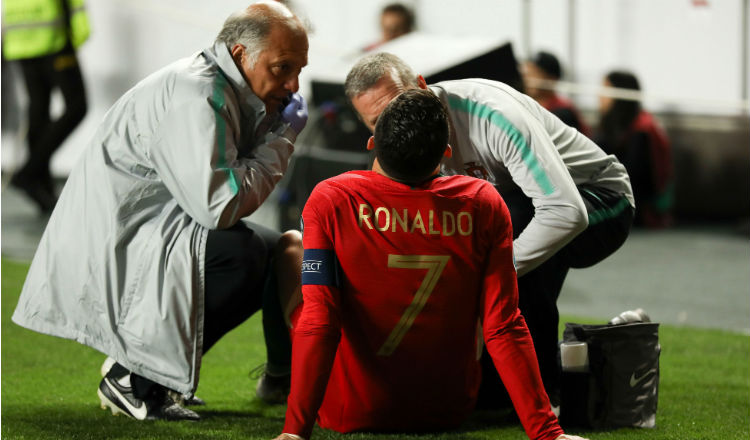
{"points": [[237, 248], [251, 251], [290, 245]]}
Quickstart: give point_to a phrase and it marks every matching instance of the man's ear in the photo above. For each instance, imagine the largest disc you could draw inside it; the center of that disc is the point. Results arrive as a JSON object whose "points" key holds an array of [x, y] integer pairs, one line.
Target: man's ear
{"points": [[421, 82], [448, 151], [371, 143], [238, 51]]}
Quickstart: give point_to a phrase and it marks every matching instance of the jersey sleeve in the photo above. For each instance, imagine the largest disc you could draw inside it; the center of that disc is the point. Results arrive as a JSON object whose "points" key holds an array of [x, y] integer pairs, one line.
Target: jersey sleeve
{"points": [[506, 335], [517, 136], [318, 329]]}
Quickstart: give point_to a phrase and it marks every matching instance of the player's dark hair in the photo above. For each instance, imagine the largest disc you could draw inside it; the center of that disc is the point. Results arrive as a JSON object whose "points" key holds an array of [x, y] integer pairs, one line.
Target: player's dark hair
{"points": [[411, 136]]}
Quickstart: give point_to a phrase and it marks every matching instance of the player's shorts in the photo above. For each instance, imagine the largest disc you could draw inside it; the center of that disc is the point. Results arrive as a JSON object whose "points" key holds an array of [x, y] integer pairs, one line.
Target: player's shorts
{"points": [[610, 217]]}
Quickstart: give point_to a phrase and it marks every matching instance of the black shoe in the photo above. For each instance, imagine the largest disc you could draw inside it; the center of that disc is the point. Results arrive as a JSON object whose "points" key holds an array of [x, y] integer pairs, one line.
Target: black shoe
{"points": [[36, 191], [119, 398], [177, 397], [272, 389], [191, 401], [168, 409], [194, 401]]}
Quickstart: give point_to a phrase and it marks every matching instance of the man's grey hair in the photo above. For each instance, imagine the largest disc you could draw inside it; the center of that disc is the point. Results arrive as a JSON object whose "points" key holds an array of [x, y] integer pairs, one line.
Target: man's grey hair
{"points": [[371, 68], [251, 26]]}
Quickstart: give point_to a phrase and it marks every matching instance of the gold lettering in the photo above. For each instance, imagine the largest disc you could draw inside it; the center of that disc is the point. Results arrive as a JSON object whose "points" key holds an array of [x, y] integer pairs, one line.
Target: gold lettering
{"points": [[449, 223], [418, 223], [402, 221], [469, 226], [365, 211], [433, 231], [390, 219], [387, 218]]}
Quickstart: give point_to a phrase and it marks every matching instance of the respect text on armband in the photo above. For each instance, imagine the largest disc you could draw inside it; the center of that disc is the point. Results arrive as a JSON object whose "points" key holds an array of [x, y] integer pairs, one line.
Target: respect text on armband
{"points": [[428, 222], [320, 267]]}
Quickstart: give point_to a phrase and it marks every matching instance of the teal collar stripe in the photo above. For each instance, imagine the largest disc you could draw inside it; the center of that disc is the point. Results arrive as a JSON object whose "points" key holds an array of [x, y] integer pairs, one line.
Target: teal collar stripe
{"points": [[221, 130], [607, 213], [495, 118]]}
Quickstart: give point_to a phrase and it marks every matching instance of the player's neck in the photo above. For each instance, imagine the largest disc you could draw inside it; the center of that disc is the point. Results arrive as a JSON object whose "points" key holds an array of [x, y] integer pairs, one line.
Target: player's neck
{"points": [[378, 169]]}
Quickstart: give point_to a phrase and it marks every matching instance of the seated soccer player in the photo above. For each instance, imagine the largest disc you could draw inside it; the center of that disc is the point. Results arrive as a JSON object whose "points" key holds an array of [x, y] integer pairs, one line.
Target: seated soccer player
{"points": [[403, 268]]}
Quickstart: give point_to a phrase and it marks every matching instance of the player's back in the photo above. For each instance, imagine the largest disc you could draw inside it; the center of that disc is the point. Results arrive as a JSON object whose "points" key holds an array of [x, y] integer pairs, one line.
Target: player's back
{"points": [[412, 261]]}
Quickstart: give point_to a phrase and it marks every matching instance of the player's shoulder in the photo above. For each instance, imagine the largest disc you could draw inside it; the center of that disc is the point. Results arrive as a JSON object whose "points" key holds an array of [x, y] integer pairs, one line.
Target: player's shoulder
{"points": [[342, 183], [350, 176], [466, 186], [346, 180], [476, 194]]}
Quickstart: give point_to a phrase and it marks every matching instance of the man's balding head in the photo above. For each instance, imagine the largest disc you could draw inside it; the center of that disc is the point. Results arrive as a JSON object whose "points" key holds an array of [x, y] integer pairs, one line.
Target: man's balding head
{"points": [[250, 27]]}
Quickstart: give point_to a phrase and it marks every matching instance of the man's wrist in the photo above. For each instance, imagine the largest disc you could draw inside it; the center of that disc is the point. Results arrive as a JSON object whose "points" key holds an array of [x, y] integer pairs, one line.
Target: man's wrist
{"points": [[284, 130]]}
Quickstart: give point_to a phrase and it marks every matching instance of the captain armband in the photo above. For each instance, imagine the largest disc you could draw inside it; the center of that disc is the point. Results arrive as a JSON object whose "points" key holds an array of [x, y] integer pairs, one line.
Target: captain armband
{"points": [[320, 267]]}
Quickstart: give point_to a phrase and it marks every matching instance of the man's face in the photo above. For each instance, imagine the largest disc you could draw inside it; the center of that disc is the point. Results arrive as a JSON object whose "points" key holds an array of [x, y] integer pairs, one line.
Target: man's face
{"points": [[605, 102], [276, 71], [371, 103], [531, 72], [392, 25]]}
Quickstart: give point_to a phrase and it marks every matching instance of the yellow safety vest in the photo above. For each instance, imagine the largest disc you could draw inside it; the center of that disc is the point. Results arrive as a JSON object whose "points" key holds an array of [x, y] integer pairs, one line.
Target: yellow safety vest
{"points": [[33, 28]]}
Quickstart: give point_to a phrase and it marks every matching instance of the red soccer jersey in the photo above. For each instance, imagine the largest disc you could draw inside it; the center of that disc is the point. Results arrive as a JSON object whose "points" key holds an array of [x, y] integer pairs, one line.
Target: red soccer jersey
{"points": [[393, 347]]}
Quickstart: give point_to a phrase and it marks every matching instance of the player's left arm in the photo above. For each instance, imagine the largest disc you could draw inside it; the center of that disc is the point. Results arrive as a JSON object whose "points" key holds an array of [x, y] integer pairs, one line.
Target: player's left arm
{"points": [[318, 330], [505, 332]]}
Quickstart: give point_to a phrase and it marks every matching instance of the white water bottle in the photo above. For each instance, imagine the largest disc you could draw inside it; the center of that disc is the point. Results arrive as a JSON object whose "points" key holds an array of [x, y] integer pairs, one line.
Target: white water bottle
{"points": [[574, 356]]}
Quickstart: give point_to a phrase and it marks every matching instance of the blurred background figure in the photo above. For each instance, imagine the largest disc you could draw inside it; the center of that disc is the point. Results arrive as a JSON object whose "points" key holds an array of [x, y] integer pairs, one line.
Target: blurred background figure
{"points": [[43, 36], [396, 20], [539, 76], [639, 142]]}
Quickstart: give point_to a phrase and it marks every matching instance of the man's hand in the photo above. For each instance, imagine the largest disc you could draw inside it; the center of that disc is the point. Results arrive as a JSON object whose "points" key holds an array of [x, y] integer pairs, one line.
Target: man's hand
{"points": [[570, 437], [286, 436], [295, 113]]}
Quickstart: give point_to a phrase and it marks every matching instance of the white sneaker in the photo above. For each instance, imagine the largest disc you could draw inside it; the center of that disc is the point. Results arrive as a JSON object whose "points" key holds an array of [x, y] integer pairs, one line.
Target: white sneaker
{"points": [[174, 395]]}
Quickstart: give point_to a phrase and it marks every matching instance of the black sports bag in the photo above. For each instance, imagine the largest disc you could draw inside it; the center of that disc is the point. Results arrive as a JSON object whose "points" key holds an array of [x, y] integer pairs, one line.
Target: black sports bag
{"points": [[622, 385]]}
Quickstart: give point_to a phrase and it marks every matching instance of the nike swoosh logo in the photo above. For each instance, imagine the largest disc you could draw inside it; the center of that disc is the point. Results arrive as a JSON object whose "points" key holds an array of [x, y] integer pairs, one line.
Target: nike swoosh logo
{"points": [[139, 412], [635, 380]]}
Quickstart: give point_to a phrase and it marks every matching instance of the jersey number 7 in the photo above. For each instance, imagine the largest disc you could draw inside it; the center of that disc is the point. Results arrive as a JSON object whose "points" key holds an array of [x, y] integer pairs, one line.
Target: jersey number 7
{"points": [[434, 265]]}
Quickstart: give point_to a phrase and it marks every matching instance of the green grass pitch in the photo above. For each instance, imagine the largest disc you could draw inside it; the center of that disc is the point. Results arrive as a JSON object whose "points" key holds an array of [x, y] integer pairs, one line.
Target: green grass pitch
{"points": [[49, 390]]}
